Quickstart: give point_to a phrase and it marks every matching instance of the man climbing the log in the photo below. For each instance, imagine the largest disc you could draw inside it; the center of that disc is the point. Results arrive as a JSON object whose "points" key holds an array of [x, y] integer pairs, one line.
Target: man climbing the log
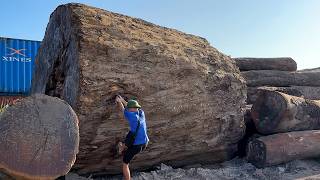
{"points": [[137, 138]]}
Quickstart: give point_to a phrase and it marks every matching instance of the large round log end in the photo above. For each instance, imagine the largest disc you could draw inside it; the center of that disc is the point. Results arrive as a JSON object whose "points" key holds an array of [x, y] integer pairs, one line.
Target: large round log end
{"points": [[39, 137], [268, 110], [256, 153]]}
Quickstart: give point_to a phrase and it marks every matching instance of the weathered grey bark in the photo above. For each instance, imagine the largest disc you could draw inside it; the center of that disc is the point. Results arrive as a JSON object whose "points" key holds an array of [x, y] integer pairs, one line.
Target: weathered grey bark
{"points": [[89, 55], [275, 112], [39, 138], [307, 92], [284, 147], [281, 78], [281, 64]]}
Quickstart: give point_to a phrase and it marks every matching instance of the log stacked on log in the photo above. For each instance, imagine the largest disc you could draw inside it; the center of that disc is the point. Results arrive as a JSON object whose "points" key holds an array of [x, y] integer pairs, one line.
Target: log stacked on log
{"points": [[275, 112], [39, 137], [278, 74], [295, 118], [281, 64], [280, 148], [284, 101], [307, 92]]}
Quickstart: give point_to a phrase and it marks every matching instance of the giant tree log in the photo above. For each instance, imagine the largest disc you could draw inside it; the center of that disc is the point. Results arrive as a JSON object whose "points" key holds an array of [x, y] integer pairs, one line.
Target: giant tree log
{"points": [[284, 147], [281, 78], [275, 112], [39, 138], [89, 55], [281, 64], [307, 92]]}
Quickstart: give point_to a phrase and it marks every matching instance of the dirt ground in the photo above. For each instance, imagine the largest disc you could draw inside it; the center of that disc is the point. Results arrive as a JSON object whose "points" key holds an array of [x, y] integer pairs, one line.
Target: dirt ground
{"points": [[235, 169]]}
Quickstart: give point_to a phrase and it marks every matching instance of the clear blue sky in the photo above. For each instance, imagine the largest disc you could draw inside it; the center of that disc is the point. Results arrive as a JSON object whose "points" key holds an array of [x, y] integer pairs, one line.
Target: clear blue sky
{"points": [[250, 28]]}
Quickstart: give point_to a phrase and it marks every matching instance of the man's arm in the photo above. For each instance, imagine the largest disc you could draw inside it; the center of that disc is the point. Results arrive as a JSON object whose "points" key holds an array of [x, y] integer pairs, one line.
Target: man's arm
{"points": [[120, 103], [124, 102]]}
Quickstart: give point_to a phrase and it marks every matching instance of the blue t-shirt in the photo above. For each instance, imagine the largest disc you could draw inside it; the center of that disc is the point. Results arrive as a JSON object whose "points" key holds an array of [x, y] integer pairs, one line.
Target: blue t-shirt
{"points": [[132, 118]]}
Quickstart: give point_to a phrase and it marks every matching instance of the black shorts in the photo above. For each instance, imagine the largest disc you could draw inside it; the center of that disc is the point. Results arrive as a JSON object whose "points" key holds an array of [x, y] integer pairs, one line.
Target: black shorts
{"points": [[131, 152]]}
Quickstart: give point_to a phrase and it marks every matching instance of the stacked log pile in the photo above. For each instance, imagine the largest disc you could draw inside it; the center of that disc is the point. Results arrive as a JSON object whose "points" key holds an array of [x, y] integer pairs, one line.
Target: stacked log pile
{"points": [[278, 74], [285, 111], [292, 125], [307, 92]]}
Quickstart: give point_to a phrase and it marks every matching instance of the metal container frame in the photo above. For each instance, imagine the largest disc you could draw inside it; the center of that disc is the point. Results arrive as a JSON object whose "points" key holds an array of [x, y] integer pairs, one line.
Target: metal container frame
{"points": [[17, 57]]}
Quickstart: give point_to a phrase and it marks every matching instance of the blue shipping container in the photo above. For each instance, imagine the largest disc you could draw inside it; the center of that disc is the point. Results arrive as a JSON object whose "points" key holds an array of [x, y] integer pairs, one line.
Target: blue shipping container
{"points": [[16, 65]]}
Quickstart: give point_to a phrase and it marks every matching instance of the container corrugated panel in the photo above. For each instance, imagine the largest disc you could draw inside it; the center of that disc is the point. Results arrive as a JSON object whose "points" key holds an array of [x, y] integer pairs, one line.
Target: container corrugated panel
{"points": [[16, 65]]}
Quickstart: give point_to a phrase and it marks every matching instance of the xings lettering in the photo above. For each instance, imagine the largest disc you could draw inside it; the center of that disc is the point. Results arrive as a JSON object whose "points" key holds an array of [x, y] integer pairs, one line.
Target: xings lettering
{"points": [[11, 58]]}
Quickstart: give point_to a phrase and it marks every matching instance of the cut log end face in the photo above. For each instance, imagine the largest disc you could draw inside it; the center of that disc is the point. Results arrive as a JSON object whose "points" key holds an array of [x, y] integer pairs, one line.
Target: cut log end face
{"points": [[267, 110], [256, 153], [39, 138]]}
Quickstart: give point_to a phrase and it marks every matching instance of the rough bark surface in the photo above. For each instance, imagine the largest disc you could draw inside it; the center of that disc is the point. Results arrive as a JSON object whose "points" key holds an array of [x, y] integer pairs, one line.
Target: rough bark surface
{"points": [[275, 112], [281, 64], [307, 92], [39, 137], [281, 78], [284, 147], [89, 55]]}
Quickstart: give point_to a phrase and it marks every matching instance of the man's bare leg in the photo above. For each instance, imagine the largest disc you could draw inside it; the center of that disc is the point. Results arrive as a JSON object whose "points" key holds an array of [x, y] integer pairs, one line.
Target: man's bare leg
{"points": [[126, 171]]}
